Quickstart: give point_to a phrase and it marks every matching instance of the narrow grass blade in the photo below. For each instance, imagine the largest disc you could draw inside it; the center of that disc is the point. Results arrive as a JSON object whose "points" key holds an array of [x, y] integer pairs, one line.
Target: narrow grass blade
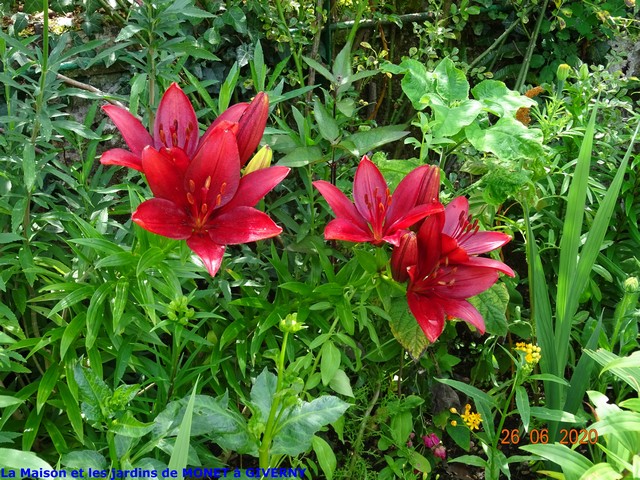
{"points": [[178, 460]]}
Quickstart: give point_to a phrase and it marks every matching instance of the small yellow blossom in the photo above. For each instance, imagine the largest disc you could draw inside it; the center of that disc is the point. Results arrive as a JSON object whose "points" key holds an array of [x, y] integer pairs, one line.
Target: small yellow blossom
{"points": [[532, 352], [454, 423], [472, 420], [453, 410]]}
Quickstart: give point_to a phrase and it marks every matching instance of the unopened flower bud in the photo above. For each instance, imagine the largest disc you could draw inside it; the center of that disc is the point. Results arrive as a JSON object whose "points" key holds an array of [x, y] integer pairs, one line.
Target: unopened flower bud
{"points": [[583, 73], [431, 440], [251, 126], [631, 285], [563, 72], [440, 451], [260, 160], [404, 256], [290, 323]]}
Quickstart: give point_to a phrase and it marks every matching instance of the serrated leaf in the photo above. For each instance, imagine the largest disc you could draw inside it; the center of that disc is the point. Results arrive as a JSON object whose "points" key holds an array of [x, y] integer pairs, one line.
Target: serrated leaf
{"points": [[492, 305], [94, 392], [405, 328]]}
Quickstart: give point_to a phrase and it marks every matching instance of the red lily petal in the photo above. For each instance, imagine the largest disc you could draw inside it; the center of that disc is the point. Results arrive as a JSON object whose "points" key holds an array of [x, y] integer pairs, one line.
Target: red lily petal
{"points": [[164, 176], [214, 173], [254, 186], [209, 252], [429, 314], [412, 216], [231, 114], [465, 311], [490, 263], [420, 181], [483, 242], [130, 127], [163, 217], [429, 244], [124, 158], [460, 281], [370, 193], [340, 204], [251, 126], [404, 256], [241, 225], [176, 124], [343, 229], [452, 251], [458, 207]]}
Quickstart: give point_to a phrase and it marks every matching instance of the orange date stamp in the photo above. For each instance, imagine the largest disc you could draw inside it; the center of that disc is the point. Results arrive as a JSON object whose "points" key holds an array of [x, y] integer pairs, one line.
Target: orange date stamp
{"points": [[568, 436]]}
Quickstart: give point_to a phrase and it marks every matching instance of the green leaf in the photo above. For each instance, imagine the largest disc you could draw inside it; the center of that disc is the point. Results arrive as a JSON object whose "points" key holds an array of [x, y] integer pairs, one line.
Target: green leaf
{"points": [[94, 393], [572, 463], [295, 433], [325, 455], [128, 426], [320, 69], [150, 258], [601, 471], [416, 82], [496, 98], [544, 413], [95, 313], [473, 392], [46, 385], [301, 156], [368, 140], [405, 328], [262, 394], [330, 361], [451, 82], [7, 401], [450, 120], [327, 125], [180, 454], [17, 459], [29, 166], [524, 408], [119, 303], [492, 305], [508, 139], [341, 384], [84, 459]]}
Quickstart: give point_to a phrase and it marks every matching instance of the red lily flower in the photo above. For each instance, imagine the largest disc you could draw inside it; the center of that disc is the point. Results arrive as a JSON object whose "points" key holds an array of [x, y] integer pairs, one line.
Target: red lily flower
{"points": [[251, 119], [175, 125], [205, 201], [376, 217], [443, 279]]}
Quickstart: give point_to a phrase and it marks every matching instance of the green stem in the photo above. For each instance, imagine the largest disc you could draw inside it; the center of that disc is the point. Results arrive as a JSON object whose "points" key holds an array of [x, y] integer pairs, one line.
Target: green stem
{"points": [[522, 76], [295, 54], [494, 45], [317, 359], [505, 411], [270, 428]]}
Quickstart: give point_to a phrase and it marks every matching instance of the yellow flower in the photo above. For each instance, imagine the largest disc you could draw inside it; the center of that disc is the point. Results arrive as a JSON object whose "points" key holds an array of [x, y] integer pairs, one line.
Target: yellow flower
{"points": [[532, 352], [471, 419], [454, 423], [453, 410]]}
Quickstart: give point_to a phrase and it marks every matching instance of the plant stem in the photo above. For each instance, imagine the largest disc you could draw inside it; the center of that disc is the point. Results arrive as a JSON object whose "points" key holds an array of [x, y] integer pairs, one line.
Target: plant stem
{"points": [[363, 426], [270, 429], [295, 54], [522, 76]]}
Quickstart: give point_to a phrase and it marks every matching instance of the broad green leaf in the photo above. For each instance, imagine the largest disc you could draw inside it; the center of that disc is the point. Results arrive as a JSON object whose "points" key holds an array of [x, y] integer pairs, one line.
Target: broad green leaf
{"points": [[470, 460], [301, 156], [572, 463], [450, 120], [405, 328], [368, 140], [262, 394], [341, 384], [628, 375], [416, 82], [451, 83], [326, 457], [16, 459], [7, 401], [508, 139], [476, 394], [150, 258], [94, 393], [128, 426], [498, 99], [295, 433], [544, 413], [330, 361], [320, 69], [84, 459], [601, 471], [327, 125], [492, 305]]}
